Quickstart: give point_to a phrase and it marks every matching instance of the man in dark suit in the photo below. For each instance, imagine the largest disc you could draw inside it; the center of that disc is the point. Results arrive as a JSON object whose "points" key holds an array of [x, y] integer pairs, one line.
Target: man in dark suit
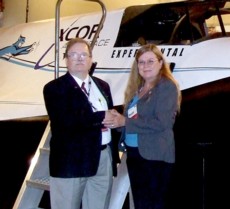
{"points": [[82, 155]]}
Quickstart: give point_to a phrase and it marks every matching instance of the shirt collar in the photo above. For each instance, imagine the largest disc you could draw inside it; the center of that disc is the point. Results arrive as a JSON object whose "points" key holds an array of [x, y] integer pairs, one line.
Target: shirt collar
{"points": [[79, 81]]}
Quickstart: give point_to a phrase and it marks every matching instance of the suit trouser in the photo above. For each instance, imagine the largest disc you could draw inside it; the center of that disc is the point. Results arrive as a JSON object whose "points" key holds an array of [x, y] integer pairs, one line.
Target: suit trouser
{"points": [[92, 192]]}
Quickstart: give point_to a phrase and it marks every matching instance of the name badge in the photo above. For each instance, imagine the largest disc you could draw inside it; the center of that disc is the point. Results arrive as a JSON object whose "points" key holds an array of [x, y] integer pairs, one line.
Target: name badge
{"points": [[132, 112]]}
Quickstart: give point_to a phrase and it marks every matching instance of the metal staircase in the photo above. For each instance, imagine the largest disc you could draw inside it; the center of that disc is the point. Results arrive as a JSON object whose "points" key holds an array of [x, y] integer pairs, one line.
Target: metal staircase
{"points": [[36, 181], [37, 177]]}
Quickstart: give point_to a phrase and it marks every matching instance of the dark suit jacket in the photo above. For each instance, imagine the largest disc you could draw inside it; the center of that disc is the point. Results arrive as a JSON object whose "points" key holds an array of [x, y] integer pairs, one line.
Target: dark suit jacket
{"points": [[75, 144]]}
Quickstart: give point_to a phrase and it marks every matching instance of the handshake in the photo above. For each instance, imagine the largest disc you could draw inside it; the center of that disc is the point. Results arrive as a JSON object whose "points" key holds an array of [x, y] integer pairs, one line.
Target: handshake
{"points": [[113, 119]]}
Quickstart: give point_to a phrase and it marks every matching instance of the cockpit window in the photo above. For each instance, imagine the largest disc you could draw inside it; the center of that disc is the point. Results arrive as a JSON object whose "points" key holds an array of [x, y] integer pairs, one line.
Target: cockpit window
{"points": [[169, 23]]}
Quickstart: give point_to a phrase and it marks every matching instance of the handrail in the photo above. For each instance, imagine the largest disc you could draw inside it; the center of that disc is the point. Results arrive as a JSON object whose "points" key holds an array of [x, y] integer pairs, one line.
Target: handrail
{"points": [[57, 29], [100, 24]]}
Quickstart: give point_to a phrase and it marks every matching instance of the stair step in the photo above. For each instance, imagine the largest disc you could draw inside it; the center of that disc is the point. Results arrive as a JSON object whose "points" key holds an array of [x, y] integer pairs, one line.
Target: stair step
{"points": [[40, 183]]}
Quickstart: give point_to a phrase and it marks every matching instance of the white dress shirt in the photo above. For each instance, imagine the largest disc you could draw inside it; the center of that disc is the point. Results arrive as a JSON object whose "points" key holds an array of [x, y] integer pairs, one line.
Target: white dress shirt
{"points": [[98, 102]]}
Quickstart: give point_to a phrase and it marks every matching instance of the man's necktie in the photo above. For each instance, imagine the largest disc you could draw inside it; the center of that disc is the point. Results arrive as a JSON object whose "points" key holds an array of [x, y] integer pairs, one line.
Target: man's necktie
{"points": [[84, 89]]}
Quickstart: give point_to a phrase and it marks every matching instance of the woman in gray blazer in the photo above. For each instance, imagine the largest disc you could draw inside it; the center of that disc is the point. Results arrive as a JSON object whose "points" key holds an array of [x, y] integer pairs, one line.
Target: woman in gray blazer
{"points": [[152, 100]]}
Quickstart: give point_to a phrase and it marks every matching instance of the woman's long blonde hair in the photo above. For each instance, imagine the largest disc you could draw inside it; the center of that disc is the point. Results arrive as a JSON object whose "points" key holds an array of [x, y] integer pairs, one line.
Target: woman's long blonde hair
{"points": [[135, 81]]}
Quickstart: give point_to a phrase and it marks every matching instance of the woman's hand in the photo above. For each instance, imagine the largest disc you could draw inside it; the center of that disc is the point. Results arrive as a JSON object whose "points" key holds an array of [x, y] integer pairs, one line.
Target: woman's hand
{"points": [[113, 119]]}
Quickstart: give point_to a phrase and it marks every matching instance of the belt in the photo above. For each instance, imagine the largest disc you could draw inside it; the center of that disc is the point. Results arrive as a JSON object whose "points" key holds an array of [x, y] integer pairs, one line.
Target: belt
{"points": [[103, 146]]}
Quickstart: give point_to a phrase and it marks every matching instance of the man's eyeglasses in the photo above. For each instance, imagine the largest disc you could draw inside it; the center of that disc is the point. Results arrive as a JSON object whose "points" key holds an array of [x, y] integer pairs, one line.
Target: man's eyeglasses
{"points": [[77, 56], [148, 63]]}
